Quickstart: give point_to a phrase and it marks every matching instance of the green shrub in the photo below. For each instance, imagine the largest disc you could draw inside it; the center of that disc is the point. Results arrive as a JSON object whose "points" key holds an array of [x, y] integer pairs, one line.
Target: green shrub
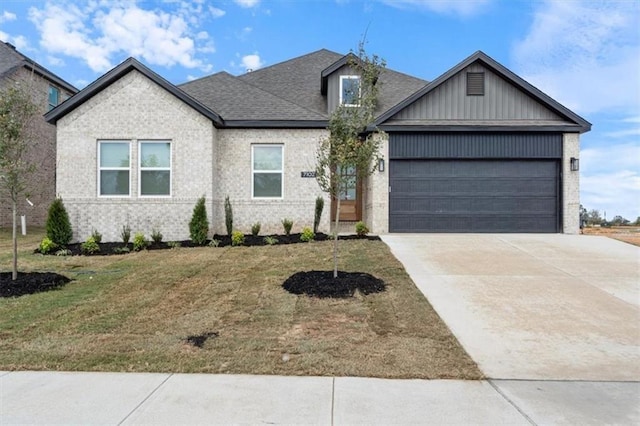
{"points": [[318, 215], [174, 244], [199, 225], [58, 226], [307, 234], [287, 224], [125, 234], [120, 250], [47, 246], [237, 238], [63, 252], [156, 235], [255, 229], [214, 243], [139, 242], [228, 215], [97, 237], [270, 240], [361, 229], [90, 246]]}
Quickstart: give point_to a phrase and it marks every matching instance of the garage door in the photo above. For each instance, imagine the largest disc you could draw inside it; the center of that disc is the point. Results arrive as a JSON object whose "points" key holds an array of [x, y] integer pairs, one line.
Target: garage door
{"points": [[473, 195]]}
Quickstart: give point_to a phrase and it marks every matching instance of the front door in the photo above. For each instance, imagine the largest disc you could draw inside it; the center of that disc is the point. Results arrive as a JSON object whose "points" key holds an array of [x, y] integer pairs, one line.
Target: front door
{"points": [[350, 197]]}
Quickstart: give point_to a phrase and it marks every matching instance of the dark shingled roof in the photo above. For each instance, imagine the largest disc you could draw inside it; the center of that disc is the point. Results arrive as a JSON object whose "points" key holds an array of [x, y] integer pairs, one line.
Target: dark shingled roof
{"points": [[288, 91], [234, 99], [11, 60]]}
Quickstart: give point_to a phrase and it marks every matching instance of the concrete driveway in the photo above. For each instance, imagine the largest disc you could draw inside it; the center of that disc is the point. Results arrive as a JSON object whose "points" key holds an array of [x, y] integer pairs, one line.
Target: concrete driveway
{"points": [[533, 307]]}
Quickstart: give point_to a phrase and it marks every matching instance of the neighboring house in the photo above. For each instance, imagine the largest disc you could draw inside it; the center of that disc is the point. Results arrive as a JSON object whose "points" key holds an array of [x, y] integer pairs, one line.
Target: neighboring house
{"points": [[476, 150], [48, 90]]}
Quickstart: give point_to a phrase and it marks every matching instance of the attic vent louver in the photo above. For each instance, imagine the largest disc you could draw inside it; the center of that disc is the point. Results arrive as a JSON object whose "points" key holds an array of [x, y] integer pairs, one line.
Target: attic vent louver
{"points": [[475, 84]]}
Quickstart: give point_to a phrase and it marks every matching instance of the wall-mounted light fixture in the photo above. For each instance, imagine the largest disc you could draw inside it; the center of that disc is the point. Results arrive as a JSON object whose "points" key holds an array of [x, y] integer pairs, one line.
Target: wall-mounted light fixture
{"points": [[381, 165], [575, 164]]}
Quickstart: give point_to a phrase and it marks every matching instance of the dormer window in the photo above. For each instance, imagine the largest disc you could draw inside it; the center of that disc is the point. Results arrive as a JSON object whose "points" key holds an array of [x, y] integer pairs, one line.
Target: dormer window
{"points": [[54, 97], [350, 90]]}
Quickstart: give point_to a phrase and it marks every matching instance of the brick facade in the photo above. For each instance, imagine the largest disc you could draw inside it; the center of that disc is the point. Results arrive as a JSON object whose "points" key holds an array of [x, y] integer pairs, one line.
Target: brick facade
{"points": [[41, 152], [570, 185]]}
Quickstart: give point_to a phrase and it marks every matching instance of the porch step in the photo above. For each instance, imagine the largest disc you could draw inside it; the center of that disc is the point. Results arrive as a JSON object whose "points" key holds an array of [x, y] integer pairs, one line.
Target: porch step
{"points": [[345, 227]]}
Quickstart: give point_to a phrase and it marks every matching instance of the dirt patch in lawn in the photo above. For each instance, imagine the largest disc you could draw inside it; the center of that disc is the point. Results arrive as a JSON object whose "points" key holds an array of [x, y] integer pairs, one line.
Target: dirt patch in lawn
{"points": [[627, 234], [323, 284], [30, 283]]}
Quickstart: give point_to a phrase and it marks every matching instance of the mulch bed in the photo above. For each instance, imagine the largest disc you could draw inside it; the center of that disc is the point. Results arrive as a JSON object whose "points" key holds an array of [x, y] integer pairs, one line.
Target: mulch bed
{"points": [[107, 249], [322, 284], [30, 283]]}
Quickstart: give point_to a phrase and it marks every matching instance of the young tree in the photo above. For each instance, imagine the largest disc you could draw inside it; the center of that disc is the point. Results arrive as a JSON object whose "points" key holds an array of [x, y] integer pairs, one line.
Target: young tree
{"points": [[351, 144], [17, 111]]}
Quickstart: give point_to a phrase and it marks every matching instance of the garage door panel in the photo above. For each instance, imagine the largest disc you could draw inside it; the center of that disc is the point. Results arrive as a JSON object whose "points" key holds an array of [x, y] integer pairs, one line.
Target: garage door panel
{"points": [[473, 196]]}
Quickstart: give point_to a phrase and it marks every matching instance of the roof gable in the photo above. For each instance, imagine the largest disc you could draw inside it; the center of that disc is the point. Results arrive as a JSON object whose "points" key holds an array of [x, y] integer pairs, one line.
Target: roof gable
{"points": [[11, 59], [115, 74], [508, 100]]}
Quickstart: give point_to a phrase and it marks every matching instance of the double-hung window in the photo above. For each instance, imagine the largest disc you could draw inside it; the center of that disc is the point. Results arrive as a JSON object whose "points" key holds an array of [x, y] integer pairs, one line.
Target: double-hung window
{"points": [[267, 171], [155, 168], [115, 167], [350, 90]]}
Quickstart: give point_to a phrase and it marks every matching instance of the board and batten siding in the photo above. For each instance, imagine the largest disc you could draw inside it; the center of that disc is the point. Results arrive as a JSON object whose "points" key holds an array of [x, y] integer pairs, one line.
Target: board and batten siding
{"points": [[501, 101], [475, 145]]}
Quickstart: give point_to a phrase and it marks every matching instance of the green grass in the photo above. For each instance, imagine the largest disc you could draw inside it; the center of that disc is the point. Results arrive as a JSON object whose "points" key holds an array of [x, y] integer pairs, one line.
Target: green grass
{"points": [[133, 313]]}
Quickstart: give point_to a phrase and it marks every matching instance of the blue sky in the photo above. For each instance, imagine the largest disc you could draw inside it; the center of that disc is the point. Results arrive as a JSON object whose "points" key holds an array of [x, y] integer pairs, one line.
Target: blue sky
{"points": [[584, 54]]}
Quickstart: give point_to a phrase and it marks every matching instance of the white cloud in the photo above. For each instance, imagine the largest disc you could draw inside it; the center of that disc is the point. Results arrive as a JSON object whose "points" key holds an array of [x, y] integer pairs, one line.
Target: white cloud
{"points": [[216, 13], [610, 179], [7, 16], [447, 7], [247, 3], [585, 54], [101, 31], [252, 62]]}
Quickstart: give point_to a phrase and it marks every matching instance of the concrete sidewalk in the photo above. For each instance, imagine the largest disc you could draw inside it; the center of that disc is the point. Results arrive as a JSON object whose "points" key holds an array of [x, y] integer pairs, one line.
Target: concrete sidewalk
{"points": [[147, 398]]}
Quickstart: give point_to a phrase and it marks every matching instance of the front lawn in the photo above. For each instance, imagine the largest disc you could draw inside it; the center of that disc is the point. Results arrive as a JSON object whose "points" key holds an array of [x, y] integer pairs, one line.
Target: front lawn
{"points": [[223, 310]]}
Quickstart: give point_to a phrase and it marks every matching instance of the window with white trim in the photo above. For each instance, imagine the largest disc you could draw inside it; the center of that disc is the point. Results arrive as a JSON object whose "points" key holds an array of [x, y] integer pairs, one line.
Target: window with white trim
{"points": [[155, 168], [114, 168], [350, 90], [266, 171]]}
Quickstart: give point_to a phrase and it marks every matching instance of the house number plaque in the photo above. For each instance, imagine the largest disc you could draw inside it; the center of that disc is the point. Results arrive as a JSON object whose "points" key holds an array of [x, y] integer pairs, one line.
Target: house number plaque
{"points": [[308, 174]]}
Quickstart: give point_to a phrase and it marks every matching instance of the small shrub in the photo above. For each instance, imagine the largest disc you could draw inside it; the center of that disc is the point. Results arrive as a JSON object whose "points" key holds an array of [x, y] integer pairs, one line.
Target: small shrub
{"points": [[63, 252], [307, 234], [270, 240], [199, 225], [125, 234], [228, 215], [255, 229], [214, 243], [174, 244], [318, 214], [97, 237], [90, 246], [58, 226], [139, 242], [287, 224], [361, 229], [156, 236], [120, 250], [237, 238], [47, 246]]}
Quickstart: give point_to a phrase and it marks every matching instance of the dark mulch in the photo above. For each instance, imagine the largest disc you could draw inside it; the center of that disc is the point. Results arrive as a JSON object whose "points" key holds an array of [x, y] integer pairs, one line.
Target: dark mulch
{"points": [[107, 249], [30, 283], [322, 284], [199, 340]]}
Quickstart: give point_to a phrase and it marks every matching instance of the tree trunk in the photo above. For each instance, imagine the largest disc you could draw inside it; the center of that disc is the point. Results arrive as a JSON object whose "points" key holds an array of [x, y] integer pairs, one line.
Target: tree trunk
{"points": [[14, 236], [335, 239]]}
